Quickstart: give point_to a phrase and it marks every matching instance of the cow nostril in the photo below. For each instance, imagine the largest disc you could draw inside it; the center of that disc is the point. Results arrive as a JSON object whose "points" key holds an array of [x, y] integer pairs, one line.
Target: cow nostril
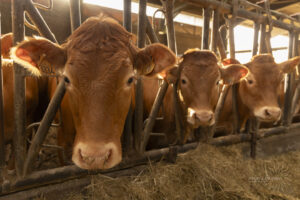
{"points": [[267, 112]]}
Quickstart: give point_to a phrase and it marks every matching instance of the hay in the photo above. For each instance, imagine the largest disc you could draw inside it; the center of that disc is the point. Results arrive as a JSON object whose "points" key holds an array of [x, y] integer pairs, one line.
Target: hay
{"points": [[205, 173]]}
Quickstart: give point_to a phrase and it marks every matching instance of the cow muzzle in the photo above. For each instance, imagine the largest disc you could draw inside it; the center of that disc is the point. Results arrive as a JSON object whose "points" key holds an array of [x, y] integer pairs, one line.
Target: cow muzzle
{"points": [[268, 114], [200, 118], [96, 156]]}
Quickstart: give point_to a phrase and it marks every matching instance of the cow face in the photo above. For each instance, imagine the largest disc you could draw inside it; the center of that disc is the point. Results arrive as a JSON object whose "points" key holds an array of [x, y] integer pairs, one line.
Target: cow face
{"points": [[198, 82], [260, 90], [100, 64]]}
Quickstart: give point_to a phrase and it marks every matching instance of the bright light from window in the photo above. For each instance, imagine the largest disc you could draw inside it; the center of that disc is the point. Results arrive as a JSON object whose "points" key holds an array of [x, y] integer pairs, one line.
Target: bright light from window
{"points": [[118, 5], [243, 35]]}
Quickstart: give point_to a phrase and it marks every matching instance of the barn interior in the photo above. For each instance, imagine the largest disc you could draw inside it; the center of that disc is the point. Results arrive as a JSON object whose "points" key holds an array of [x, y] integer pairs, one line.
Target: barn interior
{"points": [[188, 23]]}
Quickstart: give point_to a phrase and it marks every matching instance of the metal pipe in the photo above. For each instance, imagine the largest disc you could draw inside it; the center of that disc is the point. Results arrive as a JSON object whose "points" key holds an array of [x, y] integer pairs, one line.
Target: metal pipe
{"points": [[227, 9], [255, 39], [75, 14], [38, 21], [150, 32], [127, 15], [288, 86], [221, 46], [19, 88], [262, 46], [55, 175], [44, 127], [138, 115], [2, 143], [127, 133], [153, 114], [205, 28], [219, 106], [215, 30], [168, 5]]}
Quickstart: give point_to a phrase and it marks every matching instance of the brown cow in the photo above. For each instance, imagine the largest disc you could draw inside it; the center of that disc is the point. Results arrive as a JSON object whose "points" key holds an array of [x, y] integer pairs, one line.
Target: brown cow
{"points": [[258, 93], [198, 90], [34, 88], [99, 63]]}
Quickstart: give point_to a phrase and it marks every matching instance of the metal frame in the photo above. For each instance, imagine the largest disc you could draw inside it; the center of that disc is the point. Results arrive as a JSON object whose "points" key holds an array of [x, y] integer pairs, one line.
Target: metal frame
{"points": [[140, 136]]}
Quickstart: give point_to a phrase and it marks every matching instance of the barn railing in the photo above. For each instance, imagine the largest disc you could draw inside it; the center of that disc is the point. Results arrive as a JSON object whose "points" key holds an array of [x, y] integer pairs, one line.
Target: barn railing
{"points": [[137, 138]]}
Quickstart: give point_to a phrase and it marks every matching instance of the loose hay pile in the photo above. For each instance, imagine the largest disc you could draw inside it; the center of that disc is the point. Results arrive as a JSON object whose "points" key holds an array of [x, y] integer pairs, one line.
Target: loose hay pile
{"points": [[206, 173]]}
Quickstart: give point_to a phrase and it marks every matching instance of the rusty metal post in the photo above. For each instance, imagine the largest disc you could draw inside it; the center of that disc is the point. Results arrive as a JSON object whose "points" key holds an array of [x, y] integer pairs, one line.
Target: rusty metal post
{"points": [[19, 88], [205, 29], [154, 112], [127, 15], [215, 30], [75, 14], [44, 126], [255, 39], [288, 86], [138, 115], [38, 21], [2, 143]]}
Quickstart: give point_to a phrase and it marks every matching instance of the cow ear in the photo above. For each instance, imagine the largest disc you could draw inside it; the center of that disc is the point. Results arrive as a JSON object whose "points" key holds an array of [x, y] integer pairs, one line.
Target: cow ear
{"points": [[233, 73], [39, 56], [172, 75], [153, 59], [289, 65], [6, 44], [228, 61]]}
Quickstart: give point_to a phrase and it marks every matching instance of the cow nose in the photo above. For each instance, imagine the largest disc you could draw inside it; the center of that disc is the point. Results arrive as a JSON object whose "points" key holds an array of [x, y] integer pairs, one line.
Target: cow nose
{"points": [[272, 112], [204, 118], [89, 156]]}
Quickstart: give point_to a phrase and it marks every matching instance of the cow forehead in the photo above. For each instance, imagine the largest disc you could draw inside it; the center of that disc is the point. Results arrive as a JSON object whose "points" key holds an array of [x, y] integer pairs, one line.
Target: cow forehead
{"points": [[203, 71]]}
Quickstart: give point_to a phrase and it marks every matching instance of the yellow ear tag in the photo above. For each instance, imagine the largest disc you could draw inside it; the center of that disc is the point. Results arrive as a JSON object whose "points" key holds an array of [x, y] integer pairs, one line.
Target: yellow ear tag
{"points": [[45, 66]]}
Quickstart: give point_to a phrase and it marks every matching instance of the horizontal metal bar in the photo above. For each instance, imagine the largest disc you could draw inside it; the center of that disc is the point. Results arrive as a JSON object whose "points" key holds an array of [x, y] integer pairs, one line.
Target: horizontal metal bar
{"points": [[227, 9], [50, 176]]}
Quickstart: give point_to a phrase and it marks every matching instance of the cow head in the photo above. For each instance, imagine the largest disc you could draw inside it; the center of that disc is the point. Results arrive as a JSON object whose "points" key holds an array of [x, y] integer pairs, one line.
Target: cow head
{"points": [[100, 63], [198, 76], [260, 90]]}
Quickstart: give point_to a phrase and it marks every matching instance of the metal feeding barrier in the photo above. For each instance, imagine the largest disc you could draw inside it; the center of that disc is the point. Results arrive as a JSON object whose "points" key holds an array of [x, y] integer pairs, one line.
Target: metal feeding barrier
{"points": [[135, 136]]}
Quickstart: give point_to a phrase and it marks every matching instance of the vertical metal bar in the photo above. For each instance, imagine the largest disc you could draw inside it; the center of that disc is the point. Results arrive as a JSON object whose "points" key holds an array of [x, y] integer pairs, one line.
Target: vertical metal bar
{"points": [[44, 126], [255, 39], [254, 125], [75, 14], [2, 143], [169, 4], [150, 32], [128, 135], [127, 15], [138, 115], [215, 30], [205, 28], [262, 45], [221, 46], [154, 111], [220, 105], [19, 140], [236, 127], [297, 89], [38, 21], [288, 84]]}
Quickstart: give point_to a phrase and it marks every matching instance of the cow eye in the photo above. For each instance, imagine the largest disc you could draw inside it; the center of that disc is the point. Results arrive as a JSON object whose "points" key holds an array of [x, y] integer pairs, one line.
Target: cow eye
{"points": [[67, 80], [183, 81], [250, 81], [130, 80], [217, 83]]}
